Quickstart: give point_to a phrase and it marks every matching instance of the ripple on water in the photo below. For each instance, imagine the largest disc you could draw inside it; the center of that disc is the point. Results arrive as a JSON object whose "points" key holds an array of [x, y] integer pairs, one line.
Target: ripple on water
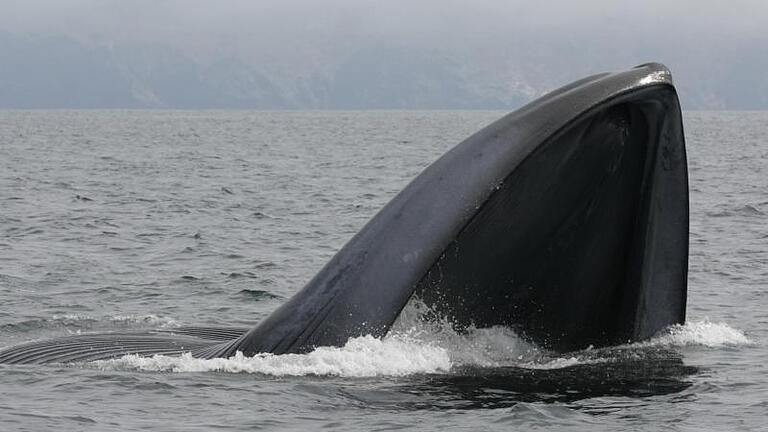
{"points": [[253, 204]]}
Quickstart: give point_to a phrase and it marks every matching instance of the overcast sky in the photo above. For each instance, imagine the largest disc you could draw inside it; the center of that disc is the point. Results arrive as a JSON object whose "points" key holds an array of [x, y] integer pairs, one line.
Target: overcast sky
{"points": [[294, 36], [203, 26]]}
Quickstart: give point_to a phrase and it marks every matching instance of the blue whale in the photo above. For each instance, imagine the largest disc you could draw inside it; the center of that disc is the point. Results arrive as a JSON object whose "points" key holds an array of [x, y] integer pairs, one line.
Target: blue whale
{"points": [[566, 220]]}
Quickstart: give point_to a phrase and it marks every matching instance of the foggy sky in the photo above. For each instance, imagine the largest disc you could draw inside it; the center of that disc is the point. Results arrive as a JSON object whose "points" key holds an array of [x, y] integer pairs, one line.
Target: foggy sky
{"points": [[296, 38], [201, 25]]}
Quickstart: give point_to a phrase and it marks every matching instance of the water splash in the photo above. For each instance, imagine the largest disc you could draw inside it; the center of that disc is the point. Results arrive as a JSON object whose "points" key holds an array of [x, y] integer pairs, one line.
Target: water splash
{"points": [[486, 347], [361, 357], [701, 333], [415, 346]]}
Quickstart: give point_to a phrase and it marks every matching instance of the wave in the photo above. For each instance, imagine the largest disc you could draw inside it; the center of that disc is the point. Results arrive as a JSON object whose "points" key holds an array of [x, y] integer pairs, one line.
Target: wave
{"points": [[745, 210], [79, 322]]}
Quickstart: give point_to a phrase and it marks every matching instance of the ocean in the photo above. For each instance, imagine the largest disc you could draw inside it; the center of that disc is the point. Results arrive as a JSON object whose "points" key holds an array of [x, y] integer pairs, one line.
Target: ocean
{"points": [[122, 220]]}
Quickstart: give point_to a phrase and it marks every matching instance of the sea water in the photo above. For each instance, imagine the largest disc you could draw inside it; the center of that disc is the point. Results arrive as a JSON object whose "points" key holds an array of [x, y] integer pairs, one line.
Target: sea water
{"points": [[122, 220]]}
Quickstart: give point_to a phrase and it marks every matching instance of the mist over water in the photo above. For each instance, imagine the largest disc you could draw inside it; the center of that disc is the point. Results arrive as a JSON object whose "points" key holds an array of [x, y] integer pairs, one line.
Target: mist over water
{"points": [[367, 54], [115, 220]]}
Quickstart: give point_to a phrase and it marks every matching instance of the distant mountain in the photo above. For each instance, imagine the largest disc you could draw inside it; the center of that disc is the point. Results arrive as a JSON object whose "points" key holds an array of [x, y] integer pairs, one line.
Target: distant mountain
{"points": [[59, 72]]}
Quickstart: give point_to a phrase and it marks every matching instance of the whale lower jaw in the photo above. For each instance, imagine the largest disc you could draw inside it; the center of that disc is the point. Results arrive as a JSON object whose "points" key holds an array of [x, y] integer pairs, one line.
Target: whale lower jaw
{"points": [[566, 220]]}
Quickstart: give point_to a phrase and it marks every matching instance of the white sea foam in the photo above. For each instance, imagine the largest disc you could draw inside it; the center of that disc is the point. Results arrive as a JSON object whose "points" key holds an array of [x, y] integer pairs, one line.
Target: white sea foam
{"points": [[415, 346], [693, 333], [360, 357], [701, 333], [558, 362], [486, 347]]}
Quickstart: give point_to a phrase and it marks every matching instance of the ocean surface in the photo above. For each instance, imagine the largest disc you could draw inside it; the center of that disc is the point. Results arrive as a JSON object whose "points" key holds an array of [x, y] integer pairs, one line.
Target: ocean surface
{"points": [[116, 220]]}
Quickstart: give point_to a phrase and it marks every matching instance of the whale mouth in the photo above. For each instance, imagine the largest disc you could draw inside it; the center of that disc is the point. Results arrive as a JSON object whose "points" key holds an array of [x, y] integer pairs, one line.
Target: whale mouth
{"points": [[568, 250], [566, 221]]}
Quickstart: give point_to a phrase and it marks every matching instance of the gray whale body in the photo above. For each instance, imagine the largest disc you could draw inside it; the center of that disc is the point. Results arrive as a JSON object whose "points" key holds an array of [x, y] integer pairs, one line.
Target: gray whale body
{"points": [[566, 220]]}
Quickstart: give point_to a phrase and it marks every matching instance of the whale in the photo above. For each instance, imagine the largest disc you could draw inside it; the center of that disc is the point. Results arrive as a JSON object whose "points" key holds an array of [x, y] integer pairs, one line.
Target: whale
{"points": [[565, 220]]}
